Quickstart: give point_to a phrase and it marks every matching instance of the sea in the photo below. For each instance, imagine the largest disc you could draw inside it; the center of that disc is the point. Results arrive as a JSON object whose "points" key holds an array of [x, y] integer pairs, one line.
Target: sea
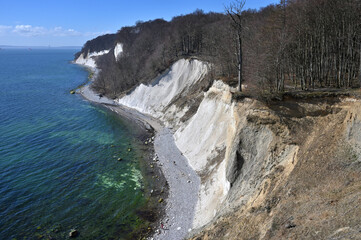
{"points": [[65, 164]]}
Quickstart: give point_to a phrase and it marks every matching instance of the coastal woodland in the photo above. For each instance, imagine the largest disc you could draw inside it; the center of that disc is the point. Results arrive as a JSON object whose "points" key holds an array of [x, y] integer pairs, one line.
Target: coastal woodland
{"points": [[296, 44]]}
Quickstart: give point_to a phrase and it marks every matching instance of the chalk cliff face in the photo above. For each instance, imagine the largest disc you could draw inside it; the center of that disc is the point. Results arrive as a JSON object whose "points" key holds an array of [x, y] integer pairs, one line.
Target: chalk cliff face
{"points": [[160, 98], [203, 140], [231, 155], [90, 59], [203, 136], [118, 50]]}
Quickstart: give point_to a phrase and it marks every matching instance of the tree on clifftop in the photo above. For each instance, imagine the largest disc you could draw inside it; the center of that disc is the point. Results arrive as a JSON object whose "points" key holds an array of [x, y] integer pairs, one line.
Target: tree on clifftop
{"points": [[234, 11]]}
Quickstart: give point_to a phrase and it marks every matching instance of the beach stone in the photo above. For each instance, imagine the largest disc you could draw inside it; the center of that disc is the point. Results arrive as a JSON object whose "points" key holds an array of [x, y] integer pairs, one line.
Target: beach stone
{"points": [[290, 225], [147, 126], [73, 233]]}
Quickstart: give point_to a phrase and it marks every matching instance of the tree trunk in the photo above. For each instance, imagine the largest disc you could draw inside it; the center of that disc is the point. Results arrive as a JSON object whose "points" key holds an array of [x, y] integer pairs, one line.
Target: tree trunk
{"points": [[240, 79], [359, 69]]}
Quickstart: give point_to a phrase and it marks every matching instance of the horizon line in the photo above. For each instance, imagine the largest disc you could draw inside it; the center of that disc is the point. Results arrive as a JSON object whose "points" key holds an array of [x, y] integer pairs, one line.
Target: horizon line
{"points": [[38, 46]]}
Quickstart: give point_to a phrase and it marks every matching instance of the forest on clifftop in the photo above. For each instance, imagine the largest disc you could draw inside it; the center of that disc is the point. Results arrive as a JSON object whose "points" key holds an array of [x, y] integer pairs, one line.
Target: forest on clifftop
{"points": [[296, 44]]}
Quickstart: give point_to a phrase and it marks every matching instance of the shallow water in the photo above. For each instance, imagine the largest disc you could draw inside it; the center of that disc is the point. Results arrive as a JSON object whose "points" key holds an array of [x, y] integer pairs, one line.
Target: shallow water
{"points": [[58, 154]]}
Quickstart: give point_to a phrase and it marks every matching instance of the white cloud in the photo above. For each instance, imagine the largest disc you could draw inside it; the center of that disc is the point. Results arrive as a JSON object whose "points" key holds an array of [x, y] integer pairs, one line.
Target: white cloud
{"points": [[26, 35], [28, 30], [61, 32], [89, 34], [33, 31]]}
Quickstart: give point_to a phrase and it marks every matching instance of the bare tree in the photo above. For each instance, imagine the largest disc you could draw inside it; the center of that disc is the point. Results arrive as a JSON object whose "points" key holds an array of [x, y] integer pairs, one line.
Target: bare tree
{"points": [[234, 11], [359, 70]]}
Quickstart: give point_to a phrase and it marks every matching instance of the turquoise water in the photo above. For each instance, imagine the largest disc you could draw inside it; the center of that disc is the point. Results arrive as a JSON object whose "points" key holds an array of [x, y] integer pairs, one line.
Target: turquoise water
{"points": [[58, 154]]}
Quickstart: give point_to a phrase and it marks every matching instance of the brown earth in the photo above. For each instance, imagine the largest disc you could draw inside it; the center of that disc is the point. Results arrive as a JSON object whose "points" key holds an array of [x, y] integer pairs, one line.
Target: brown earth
{"points": [[317, 195]]}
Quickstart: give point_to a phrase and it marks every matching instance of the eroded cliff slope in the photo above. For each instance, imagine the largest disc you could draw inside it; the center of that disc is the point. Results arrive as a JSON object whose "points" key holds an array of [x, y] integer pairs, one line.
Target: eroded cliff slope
{"points": [[294, 172]]}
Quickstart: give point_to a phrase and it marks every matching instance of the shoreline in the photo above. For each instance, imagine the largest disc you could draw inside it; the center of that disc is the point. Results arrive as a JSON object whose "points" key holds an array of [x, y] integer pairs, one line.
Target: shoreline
{"points": [[182, 181]]}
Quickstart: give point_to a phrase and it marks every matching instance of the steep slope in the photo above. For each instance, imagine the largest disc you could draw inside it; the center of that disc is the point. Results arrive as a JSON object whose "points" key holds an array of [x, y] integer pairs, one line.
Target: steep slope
{"points": [[203, 141], [156, 99], [232, 155], [210, 138], [298, 174]]}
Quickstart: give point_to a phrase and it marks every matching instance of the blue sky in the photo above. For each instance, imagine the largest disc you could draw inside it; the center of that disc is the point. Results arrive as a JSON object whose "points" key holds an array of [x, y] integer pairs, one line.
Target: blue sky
{"points": [[73, 22]]}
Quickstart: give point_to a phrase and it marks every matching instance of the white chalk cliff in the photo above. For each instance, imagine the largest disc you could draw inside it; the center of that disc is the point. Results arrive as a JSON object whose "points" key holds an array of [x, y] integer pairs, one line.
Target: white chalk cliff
{"points": [[211, 138], [202, 140], [153, 99], [89, 60], [204, 137], [118, 49]]}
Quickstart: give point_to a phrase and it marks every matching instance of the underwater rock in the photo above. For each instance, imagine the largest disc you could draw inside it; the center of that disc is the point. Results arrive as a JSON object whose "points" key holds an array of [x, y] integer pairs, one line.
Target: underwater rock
{"points": [[73, 233]]}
